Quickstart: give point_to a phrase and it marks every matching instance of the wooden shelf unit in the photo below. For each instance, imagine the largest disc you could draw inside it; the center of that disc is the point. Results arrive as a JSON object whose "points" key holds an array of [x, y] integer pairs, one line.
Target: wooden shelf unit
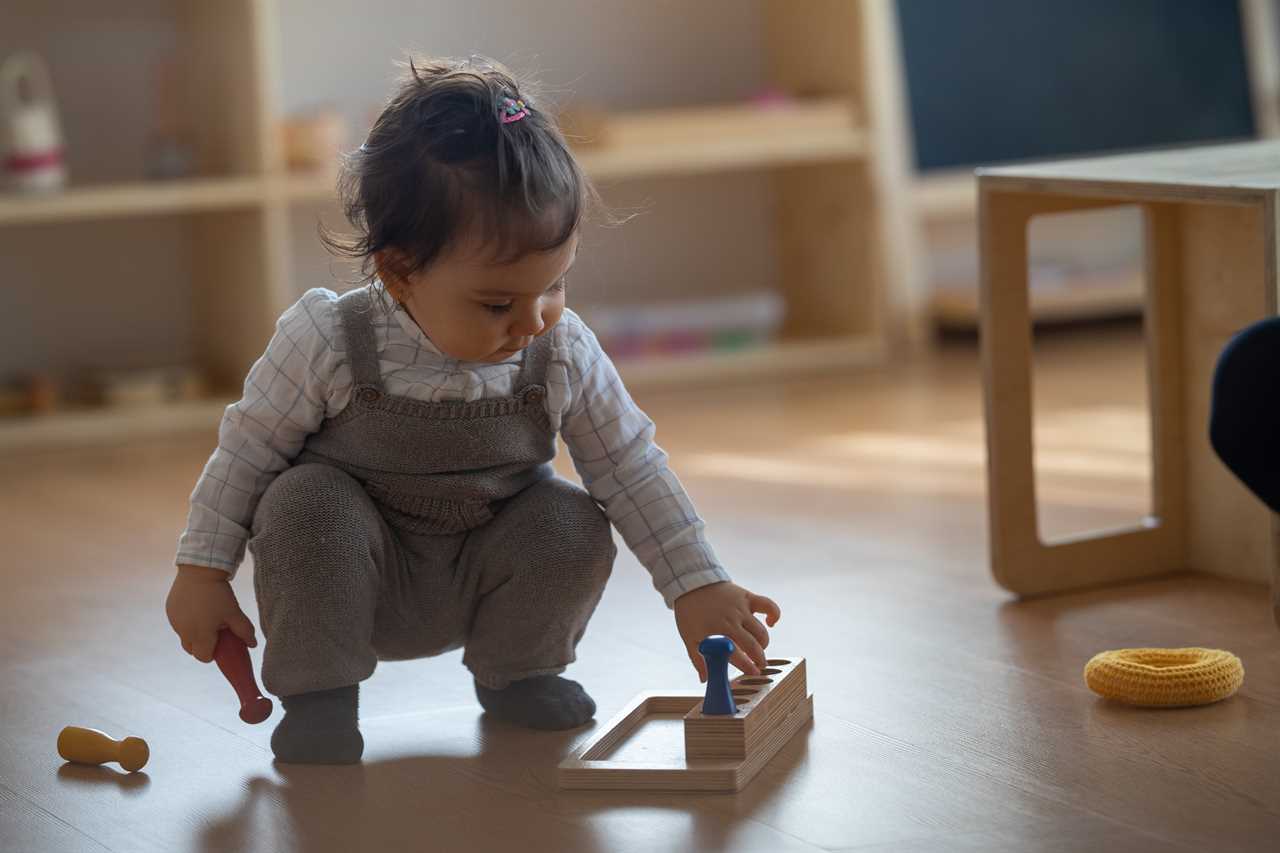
{"points": [[830, 153]]}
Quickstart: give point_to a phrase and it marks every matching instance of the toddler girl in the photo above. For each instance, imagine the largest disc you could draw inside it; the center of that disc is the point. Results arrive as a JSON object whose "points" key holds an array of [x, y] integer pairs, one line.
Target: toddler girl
{"points": [[388, 465]]}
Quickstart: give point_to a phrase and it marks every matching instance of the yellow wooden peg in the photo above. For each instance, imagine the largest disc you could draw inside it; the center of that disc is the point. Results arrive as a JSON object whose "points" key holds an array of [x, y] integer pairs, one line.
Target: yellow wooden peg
{"points": [[90, 746]]}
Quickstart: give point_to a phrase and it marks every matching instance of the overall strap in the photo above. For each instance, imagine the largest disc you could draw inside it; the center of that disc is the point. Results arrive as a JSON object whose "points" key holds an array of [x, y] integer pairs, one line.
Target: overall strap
{"points": [[355, 310], [533, 368]]}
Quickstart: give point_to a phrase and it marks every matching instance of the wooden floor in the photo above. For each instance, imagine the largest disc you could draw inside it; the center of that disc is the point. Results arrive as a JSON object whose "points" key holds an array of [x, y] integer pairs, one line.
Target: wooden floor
{"points": [[948, 717]]}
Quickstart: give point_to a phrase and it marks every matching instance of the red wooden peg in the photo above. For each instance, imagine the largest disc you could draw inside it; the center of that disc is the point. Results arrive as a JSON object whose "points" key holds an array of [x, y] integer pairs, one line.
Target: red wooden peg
{"points": [[232, 656]]}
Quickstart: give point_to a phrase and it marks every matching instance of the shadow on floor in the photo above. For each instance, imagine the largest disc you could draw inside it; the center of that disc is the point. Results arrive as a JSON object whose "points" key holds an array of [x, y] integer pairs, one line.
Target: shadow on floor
{"points": [[85, 775], [448, 802]]}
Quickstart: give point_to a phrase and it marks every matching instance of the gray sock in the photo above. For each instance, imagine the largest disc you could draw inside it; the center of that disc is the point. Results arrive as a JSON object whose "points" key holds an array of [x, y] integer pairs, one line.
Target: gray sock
{"points": [[541, 702], [320, 728]]}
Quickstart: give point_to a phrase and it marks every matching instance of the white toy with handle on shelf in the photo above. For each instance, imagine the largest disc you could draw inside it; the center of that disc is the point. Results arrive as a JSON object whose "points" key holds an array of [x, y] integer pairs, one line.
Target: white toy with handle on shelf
{"points": [[32, 154]]}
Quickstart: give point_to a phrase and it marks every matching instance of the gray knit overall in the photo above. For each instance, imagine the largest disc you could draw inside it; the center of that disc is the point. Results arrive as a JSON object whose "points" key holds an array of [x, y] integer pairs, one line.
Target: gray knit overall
{"points": [[406, 529]]}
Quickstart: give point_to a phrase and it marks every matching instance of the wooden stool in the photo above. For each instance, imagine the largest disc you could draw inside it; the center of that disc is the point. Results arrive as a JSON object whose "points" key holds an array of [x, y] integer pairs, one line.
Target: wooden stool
{"points": [[1211, 237]]}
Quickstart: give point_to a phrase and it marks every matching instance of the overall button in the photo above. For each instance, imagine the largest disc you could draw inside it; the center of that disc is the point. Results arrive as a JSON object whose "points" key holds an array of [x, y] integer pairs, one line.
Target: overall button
{"points": [[370, 395], [534, 395]]}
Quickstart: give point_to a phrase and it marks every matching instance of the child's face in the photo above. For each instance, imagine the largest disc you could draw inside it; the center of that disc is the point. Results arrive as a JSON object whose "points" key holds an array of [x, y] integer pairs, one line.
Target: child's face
{"points": [[473, 309]]}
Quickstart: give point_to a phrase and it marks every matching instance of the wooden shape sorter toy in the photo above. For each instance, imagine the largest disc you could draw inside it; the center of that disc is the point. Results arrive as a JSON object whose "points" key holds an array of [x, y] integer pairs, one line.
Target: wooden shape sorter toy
{"points": [[723, 747]]}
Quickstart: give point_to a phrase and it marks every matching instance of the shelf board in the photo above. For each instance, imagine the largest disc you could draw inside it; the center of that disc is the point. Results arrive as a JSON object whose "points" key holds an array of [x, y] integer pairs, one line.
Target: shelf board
{"points": [[109, 426], [1095, 299], [689, 140], [785, 358], [946, 195], [131, 199], [723, 138], [303, 187]]}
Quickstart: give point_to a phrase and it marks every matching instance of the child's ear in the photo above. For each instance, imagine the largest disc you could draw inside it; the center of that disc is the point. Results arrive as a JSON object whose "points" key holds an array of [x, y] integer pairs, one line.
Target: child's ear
{"points": [[390, 265]]}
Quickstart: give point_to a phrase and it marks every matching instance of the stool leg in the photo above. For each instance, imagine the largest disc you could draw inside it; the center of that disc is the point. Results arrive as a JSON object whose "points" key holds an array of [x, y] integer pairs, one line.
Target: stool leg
{"points": [[1020, 561], [1227, 284]]}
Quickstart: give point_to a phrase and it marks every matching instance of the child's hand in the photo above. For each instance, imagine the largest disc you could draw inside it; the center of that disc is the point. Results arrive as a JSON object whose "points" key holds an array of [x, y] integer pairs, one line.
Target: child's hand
{"points": [[200, 602], [726, 608]]}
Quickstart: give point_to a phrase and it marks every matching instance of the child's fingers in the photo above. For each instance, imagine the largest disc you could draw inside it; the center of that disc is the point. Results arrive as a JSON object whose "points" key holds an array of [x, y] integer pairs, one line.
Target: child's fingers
{"points": [[695, 658], [761, 633], [750, 648], [243, 628], [767, 606], [742, 661], [202, 645]]}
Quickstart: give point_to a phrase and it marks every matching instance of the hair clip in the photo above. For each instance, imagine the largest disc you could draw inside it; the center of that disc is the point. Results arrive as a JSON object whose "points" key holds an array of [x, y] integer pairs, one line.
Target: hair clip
{"points": [[513, 110]]}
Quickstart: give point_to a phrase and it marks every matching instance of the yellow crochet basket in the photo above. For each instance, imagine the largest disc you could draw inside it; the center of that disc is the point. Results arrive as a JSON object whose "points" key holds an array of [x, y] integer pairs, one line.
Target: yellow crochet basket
{"points": [[1164, 678]]}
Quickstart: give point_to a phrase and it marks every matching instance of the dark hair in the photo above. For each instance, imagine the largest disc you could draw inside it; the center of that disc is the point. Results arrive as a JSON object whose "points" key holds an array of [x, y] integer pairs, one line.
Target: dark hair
{"points": [[439, 160]]}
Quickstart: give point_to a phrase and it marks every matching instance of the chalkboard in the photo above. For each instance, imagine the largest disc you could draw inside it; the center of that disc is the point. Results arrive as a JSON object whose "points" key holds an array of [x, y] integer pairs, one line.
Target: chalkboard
{"points": [[999, 80]]}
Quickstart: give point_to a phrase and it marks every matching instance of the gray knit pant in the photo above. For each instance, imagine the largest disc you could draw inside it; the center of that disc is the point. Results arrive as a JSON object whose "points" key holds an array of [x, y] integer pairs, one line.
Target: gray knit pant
{"points": [[339, 589]]}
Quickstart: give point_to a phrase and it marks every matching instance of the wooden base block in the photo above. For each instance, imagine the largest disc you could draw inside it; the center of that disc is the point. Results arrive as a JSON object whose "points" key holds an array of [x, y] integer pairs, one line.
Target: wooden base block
{"points": [[663, 742], [762, 701], [589, 768]]}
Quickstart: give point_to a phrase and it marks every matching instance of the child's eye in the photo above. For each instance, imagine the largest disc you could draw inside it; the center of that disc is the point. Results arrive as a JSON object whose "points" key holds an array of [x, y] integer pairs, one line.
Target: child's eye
{"points": [[504, 307]]}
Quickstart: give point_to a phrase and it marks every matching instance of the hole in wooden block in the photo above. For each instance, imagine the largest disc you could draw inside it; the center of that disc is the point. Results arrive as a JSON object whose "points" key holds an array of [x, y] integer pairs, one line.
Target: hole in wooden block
{"points": [[770, 671], [756, 681], [777, 662], [744, 692]]}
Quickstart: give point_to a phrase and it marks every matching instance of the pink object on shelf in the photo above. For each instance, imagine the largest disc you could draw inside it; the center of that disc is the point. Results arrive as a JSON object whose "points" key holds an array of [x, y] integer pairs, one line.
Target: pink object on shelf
{"points": [[772, 97]]}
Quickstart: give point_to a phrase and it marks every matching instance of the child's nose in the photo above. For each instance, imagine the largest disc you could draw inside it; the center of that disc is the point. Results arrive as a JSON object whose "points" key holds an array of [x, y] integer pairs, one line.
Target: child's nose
{"points": [[527, 324]]}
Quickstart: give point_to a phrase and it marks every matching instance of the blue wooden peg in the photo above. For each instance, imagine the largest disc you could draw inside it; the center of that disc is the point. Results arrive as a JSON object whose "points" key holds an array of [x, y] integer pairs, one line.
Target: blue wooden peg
{"points": [[715, 650]]}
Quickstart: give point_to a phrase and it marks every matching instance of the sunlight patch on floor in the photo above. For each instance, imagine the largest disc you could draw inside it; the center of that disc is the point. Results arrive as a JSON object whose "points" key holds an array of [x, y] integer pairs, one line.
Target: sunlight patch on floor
{"points": [[1096, 457]]}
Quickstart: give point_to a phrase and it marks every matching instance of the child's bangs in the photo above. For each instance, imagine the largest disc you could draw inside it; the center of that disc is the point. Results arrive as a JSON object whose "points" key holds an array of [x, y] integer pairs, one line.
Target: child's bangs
{"points": [[512, 231]]}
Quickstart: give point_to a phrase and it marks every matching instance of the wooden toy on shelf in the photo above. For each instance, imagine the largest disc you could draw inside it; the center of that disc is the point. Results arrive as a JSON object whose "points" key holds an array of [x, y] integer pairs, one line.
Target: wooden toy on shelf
{"points": [[313, 142], [720, 751]]}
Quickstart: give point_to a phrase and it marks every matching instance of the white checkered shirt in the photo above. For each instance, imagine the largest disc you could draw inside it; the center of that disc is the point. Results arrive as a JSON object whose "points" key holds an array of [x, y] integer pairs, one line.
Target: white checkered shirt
{"points": [[304, 377]]}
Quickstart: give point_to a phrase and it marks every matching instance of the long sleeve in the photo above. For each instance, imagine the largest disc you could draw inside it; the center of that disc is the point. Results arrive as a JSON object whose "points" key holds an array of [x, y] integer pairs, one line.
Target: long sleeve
{"points": [[611, 441], [286, 396]]}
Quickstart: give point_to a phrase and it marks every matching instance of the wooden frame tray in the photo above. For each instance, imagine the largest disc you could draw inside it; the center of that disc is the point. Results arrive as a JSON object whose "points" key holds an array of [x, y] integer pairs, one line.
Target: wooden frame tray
{"points": [[591, 766]]}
